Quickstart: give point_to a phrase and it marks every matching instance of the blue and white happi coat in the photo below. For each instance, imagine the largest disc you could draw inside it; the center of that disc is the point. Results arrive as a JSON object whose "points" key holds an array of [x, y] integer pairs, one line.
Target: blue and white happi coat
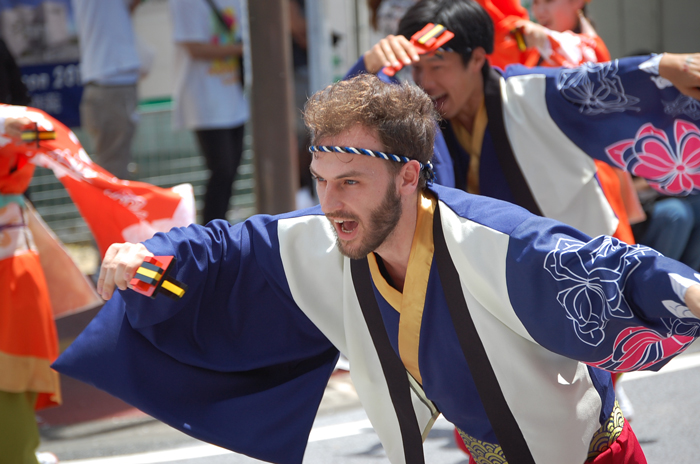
{"points": [[546, 125], [243, 358]]}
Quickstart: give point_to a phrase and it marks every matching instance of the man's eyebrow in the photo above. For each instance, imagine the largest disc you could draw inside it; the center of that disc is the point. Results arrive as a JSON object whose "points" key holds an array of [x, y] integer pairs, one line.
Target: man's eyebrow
{"points": [[344, 175]]}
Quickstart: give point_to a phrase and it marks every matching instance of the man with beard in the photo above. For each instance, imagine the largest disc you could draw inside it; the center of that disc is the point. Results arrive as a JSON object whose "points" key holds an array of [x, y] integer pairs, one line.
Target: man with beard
{"points": [[529, 136], [443, 302]]}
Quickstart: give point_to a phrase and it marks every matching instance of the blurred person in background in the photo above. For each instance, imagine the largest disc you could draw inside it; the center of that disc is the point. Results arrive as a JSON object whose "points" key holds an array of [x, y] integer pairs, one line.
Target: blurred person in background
{"points": [[110, 69], [208, 97], [563, 35], [28, 340], [297, 19], [385, 16], [672, 224]]}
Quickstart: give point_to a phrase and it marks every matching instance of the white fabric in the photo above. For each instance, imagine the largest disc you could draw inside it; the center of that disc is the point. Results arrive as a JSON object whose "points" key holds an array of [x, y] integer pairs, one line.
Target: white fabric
{"points": [[560, 175], [570, 46], [107, 43], [652, 65], [340, 318], [208, 93], [560, 390]]}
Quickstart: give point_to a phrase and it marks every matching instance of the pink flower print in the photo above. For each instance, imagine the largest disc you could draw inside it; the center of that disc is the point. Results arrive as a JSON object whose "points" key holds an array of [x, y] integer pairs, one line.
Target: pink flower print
{"points": [[638, 348], [651, 155]]}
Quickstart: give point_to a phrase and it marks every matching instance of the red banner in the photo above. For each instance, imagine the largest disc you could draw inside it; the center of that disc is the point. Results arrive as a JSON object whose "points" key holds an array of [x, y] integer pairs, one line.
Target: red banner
{"points": [[115, 210]]}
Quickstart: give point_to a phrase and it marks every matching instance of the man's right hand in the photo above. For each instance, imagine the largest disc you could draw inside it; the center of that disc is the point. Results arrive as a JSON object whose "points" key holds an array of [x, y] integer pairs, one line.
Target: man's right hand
{"points": [[119, 266], [391, 51], [15, 126]]}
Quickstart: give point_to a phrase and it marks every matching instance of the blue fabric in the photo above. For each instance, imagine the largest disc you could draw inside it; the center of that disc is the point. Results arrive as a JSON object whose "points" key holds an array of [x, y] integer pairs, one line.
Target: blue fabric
{"points": [[6, 199], [674, 229], [495, 214], [234, 348], [669, 227], [691, 254], [451, 389], [644, 103], [607, 294]]}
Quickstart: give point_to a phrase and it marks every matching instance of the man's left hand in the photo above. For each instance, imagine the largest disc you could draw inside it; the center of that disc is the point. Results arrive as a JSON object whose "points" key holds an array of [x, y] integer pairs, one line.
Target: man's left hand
{"points": [[692, 299], [683, 70]]}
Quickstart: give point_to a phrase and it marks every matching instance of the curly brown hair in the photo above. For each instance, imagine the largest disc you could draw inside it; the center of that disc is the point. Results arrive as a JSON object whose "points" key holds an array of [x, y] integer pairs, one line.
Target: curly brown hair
{"points": [[402, 115]]}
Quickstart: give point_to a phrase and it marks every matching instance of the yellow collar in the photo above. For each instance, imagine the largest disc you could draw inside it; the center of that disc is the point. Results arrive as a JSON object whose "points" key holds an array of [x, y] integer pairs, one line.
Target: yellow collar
{"points": [[472, 143], [411, 302]]}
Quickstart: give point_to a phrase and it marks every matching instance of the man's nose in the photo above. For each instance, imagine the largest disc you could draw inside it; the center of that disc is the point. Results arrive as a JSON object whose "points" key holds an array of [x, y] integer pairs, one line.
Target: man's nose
{"points": [[330, 198], [424, 81]]}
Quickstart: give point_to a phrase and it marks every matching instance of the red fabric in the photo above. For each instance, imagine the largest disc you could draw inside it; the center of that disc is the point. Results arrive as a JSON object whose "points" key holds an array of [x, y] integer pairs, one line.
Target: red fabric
{"points": [[26, 321], [601, 50], [504, 14], [108, 205], [15, 173], [27, 329], [625, 450], [460, 442]]}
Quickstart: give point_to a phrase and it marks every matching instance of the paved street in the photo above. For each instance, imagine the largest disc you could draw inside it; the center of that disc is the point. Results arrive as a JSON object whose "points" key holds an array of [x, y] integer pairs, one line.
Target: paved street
{"points": [[666, 405]]}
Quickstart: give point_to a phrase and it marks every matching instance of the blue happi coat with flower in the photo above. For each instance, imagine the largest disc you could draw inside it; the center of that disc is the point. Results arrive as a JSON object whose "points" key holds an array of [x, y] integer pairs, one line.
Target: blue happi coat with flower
{"points": [[243, 358], [546, 125]]}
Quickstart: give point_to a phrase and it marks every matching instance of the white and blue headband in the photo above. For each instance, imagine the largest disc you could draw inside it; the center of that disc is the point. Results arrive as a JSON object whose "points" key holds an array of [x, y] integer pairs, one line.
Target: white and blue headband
{"points": [[427, 167]]}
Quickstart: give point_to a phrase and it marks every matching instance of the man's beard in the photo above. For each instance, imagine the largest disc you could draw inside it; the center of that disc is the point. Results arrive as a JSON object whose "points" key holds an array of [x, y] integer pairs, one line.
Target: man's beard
{"points": [[382, 222]]}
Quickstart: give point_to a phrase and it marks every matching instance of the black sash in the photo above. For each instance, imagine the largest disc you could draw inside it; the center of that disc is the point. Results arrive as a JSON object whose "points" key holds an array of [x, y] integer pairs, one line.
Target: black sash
{"points": [[505, 427], [509, 435], [392, 366], [504, 152]]}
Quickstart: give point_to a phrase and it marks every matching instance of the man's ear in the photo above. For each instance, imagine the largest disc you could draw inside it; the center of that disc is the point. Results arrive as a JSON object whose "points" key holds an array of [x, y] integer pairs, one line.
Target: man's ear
{"points": [[478, 58], [408, 178]]}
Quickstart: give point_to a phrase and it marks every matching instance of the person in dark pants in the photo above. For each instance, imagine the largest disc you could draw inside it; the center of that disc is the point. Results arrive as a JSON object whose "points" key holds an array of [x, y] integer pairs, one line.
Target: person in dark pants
{"points": [[222, 150], [209, 90]]}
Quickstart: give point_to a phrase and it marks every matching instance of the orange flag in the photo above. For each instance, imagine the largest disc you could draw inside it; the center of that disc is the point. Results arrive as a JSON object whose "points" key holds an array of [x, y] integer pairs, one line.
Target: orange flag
{"points": [[115, 210]]}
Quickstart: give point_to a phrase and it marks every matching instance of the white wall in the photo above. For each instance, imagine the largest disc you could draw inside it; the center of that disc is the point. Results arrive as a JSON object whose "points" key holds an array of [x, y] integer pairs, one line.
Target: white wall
{"points": [[628, 26]]}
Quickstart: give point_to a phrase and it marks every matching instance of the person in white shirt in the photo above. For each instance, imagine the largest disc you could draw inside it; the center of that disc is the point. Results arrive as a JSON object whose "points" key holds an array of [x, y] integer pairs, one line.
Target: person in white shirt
{"points": [[208, 97], [110, 68]]}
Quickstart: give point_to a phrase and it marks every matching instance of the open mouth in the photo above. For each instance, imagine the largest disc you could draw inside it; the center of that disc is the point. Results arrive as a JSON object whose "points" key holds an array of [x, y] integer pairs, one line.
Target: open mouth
{"points": [[439, 101], [347, 227]]}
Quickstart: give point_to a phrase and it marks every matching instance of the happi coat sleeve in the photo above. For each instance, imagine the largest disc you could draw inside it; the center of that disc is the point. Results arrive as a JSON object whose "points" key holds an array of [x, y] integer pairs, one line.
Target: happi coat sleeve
{"points": [[584, 298], [615, 306], [234, 362], [620, 112], [555, 122]]}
